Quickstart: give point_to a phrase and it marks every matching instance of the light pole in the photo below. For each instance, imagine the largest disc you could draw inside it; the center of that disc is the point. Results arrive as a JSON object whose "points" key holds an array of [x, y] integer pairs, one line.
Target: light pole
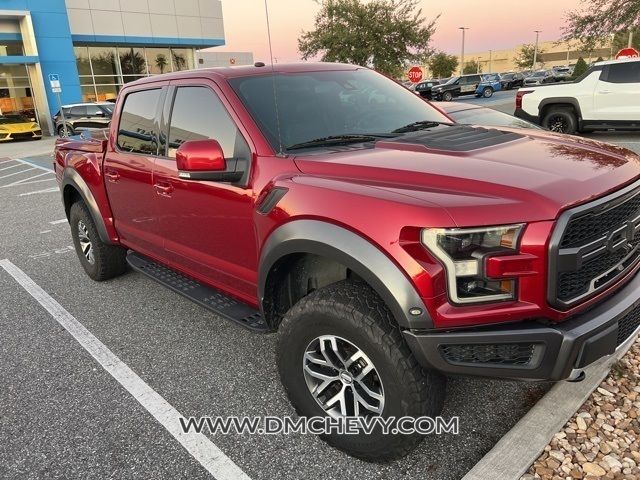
{"points": [[464, 29], [630, 38], [613, 37], [490, 61], [535, 51]]}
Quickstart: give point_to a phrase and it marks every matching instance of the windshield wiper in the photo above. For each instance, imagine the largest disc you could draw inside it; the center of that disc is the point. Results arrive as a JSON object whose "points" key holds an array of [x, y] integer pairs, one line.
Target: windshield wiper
{"points": [[422, 125], [340, 139]]}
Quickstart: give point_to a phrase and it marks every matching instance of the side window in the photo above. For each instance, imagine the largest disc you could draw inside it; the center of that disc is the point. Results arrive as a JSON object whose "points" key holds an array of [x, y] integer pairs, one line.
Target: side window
{"points": [[94, 111], [136, 133], [624, 73], [198, 114], [78, 111]]}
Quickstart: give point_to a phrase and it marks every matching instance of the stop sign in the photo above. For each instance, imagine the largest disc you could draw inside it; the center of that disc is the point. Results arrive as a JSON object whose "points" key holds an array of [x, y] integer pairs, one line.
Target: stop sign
{"points": [[415, 74], [627, 53]]}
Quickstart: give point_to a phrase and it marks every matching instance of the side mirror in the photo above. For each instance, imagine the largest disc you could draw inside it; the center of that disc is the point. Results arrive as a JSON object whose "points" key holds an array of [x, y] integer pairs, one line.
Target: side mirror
{"points": [[204, 160]]}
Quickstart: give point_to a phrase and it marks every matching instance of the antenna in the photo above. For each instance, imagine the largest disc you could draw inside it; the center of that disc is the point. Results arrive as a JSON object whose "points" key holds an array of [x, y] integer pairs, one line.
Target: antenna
{"points": [[273, 76]]}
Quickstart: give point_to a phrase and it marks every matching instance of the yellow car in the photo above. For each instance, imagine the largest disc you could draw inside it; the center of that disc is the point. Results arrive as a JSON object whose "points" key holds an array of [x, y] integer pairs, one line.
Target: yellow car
{"points": [[18, 127]]}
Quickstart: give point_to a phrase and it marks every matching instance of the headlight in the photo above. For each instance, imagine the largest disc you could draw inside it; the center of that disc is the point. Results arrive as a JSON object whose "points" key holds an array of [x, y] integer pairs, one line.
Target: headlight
{"points": [[462, 252]]}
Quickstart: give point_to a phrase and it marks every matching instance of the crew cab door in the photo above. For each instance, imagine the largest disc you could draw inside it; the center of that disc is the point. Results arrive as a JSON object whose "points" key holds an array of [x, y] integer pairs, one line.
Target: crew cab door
{"points": [[617, 93], [207, 226], [469, 85], [128, 168]]}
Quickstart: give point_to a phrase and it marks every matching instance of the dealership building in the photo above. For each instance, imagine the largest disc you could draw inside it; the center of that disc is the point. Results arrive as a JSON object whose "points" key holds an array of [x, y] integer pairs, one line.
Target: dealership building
{"points": [[95, 47]]}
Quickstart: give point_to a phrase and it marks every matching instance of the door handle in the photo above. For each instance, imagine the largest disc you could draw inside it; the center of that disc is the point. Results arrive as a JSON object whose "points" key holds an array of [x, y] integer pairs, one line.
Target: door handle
{"points": [[604, 92], [112, 175], [164, 189]]}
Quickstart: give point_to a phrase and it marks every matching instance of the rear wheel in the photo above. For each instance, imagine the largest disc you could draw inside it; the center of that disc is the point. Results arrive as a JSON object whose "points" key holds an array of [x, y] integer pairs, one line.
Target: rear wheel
{"points": [[560, 120], [100, 260], [340, 354], [61, 131], [487, 92]]}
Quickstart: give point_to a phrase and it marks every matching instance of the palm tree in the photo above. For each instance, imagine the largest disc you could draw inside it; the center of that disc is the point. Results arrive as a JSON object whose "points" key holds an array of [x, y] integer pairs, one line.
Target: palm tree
{"points": [[161, 62]]}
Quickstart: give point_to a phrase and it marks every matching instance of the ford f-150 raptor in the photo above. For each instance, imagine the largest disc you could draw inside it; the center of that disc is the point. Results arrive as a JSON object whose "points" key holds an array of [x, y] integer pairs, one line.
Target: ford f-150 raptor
{"points": [[388, 246]]}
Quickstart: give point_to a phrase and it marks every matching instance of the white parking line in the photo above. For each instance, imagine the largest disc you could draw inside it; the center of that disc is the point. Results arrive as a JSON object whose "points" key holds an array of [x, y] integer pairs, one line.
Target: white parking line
{"points": [[26, 181], [46, 190], [24, 162], [17, 173], [11, 166], [198, 445], [6, 161], [58, 222]]}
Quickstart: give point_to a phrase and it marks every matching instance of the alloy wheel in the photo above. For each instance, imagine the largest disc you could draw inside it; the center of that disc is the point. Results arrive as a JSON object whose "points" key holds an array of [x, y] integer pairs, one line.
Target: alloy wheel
{"points": [[85, 242], [342, 378], [559, 124]]}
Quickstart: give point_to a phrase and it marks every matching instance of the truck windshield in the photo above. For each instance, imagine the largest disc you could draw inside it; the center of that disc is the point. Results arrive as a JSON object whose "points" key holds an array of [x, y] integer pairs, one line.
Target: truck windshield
{"points": [[330, 104]]}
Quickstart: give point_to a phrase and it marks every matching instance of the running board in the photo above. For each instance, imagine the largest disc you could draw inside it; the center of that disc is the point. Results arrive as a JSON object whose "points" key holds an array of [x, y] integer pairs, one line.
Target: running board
{"points": [[206, 297]]}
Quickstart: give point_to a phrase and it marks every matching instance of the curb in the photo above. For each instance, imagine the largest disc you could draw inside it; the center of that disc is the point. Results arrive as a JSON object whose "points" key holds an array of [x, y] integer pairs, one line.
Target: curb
{"points": [[516, 451]]}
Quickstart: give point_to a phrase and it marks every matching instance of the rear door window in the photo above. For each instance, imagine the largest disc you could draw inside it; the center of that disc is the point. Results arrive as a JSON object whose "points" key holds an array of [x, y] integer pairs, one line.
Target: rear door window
{"points": [[79, 111], [94, 111], [137, 131]]}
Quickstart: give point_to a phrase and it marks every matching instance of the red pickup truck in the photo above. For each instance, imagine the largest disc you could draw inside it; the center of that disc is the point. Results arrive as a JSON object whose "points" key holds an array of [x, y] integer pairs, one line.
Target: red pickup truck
{"points": [[387, 246]]}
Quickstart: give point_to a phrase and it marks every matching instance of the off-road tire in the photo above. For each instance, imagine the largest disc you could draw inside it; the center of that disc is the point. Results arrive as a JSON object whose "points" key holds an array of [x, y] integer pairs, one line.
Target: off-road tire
{"points": [[353, 311], [560, 120], [109, 260]]}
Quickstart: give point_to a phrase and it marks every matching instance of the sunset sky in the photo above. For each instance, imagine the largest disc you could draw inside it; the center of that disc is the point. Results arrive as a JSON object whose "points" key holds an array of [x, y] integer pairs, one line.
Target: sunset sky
{"points": [[493, 25]]}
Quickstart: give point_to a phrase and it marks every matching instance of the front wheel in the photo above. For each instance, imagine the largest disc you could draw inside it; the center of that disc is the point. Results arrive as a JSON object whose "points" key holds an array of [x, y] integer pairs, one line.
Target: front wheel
{"points": [[487, 92], [447, 96], [560, 120], [340, 354], [68, 133]]}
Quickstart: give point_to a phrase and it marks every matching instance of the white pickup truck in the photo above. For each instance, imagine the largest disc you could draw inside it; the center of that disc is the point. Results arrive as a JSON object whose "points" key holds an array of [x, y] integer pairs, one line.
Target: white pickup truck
{"points": [[607, 96]]}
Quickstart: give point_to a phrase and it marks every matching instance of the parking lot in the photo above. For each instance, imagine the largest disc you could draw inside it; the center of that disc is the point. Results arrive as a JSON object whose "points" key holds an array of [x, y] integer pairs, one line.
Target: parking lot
{"points": [[67, 417]]}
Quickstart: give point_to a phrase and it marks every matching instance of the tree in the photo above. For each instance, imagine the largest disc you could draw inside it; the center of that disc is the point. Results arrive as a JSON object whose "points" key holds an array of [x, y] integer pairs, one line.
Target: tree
{"points": [[580, 68], [526, 54], [599, 59], [471, 66], [133, 62], [443, 65], [386, 35], [600, 18], [621, 40], [161, 62]]}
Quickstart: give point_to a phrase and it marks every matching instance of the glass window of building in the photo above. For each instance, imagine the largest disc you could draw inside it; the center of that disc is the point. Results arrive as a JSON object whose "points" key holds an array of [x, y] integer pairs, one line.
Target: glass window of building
{"points": [[82, 60], [104, 61], [105, 93], [11, 48], [15, 91], [132, 61], [159, 60], [182, 59]]}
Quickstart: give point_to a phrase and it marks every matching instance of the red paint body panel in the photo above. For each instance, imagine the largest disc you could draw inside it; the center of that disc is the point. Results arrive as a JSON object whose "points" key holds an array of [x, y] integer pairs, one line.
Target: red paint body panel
{"points": [[385, 194]]}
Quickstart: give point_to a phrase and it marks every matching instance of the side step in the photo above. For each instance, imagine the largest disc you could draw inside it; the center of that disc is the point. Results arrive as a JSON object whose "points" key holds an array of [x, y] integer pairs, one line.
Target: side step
{"points": [[204, 296]]}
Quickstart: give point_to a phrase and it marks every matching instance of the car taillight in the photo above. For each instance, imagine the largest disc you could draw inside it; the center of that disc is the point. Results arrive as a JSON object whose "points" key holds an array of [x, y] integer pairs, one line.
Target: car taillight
{"points": [[519, 96]]}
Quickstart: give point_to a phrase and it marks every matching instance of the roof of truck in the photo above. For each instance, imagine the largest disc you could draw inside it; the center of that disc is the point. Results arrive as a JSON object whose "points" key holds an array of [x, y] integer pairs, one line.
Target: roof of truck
{"points": [[249, 70]]}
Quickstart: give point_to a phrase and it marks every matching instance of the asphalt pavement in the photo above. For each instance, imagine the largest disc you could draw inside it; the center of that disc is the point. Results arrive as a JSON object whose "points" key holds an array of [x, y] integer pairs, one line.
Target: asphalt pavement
{"points": [[63, 416]]}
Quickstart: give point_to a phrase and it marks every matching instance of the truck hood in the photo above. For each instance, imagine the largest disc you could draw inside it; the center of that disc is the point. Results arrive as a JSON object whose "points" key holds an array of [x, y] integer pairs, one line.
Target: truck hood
{"points": [[528, 176]]}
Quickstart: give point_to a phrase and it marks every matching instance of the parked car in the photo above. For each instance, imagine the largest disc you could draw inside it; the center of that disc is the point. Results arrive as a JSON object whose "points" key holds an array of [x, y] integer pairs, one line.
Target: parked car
{"points": [[424, 88], [490, 83], [387, 246], [510, 80], [561, 74], [607, 96], [83, 116], [540, 77], [472, 114], [18, 127], [456, 87]]}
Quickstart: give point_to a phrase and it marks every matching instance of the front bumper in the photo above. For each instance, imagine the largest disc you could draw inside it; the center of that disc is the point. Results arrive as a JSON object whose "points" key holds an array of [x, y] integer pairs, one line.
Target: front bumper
{"points": [[537, 350]]}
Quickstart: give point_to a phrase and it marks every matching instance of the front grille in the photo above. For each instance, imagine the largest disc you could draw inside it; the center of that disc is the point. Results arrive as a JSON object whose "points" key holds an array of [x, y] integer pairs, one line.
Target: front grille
{"points": [[628, 324], [513, 354], [21, 136], [593, 246]]}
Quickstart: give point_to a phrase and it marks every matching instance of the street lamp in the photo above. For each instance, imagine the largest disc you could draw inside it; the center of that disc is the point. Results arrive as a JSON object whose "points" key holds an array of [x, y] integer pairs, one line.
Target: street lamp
{"points": [[464, 29], [613, 37], [535, 51]]}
